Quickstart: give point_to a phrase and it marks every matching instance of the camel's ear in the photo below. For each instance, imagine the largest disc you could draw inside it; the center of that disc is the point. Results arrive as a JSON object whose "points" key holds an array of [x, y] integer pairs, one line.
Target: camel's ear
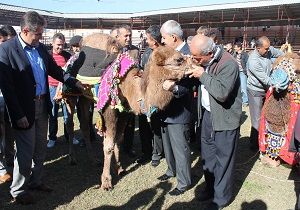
{"points": [[159, 57]]}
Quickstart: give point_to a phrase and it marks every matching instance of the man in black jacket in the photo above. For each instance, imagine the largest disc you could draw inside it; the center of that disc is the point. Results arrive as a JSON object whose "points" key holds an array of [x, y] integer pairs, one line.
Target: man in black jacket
{"points": [[148, 133], [24, 66]]}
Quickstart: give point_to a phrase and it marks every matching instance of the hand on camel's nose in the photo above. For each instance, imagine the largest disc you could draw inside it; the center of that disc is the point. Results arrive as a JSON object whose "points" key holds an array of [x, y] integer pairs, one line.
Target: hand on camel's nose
{"points": [[195, 71]]}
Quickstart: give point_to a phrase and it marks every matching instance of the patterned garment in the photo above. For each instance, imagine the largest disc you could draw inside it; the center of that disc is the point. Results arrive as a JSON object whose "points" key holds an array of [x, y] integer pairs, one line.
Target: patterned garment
{"points": [[108, 89]]}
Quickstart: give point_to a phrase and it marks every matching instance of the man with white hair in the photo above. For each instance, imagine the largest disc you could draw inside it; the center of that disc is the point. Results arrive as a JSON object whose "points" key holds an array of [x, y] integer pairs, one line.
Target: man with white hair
{"points": [[220, 107], [178, 117]]}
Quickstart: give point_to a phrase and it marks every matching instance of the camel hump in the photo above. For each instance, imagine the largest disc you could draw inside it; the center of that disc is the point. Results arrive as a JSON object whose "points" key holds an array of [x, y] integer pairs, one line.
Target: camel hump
{"points": [[99, 41]]}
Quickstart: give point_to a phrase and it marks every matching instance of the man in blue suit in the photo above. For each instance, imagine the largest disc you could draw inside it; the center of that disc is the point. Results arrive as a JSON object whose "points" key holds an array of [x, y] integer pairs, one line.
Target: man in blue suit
{"points": [[178, 116], [24, 67]]}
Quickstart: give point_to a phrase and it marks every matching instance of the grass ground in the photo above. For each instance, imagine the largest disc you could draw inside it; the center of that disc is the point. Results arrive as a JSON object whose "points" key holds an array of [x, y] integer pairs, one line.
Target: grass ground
{"points": [[257, 187]]}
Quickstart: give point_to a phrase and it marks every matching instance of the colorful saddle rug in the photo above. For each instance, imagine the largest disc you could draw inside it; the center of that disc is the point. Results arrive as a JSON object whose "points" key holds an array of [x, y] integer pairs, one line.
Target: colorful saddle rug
{"points": [[108, 90]]}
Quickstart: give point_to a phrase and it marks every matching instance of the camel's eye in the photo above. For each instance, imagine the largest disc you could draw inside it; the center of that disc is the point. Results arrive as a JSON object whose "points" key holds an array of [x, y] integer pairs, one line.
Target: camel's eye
{"points": [[179, 60]]}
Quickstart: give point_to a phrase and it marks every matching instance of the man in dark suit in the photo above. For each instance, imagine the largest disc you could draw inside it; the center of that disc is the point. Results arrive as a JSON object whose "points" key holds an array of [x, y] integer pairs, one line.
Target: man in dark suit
{"points": [[24, 66], [178, 117]]}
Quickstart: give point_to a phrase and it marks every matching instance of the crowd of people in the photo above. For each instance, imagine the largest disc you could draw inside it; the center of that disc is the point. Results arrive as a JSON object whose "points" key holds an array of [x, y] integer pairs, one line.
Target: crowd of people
{"points": [[207, 104]]}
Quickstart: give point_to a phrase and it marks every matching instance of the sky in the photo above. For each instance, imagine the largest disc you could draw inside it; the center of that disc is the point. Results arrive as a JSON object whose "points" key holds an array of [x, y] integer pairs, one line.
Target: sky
{"points": [[110, 6]]}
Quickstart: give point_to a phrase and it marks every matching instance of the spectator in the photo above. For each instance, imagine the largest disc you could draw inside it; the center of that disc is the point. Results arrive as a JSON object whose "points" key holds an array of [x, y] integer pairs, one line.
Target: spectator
{"points": [[75, 45], [61, 57], [258, 82], [124, 36], [203, 30], [27, 96], [221, 111], [5, 176], [147, 132], [229, 48], [9, 150], [242, 58], [178, 117], [11, 33]]}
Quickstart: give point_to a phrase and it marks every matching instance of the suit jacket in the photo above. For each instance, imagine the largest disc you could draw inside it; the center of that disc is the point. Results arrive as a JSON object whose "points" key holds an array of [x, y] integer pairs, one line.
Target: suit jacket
{"points": [[17, 80], [180, 110]]}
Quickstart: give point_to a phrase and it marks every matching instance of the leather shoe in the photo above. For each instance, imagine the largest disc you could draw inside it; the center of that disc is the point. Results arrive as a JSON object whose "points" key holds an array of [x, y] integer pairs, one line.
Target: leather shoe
{"points": [[42, 187], [176, 192], [206, 195], [24, 199], [155, 163], [5, 178], [164, 177]]}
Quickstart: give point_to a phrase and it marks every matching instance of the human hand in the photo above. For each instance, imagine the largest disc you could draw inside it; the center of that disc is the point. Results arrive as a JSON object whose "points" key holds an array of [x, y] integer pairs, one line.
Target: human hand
{"points": [[195, 71], [169, 85], [23, 122]]}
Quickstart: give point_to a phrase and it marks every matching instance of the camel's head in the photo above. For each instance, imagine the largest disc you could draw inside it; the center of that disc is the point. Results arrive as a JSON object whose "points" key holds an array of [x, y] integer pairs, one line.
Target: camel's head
{"points": [[169, 58]]}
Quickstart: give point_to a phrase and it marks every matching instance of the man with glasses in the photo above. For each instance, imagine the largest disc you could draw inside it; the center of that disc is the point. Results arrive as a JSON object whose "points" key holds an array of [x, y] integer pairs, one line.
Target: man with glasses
{"points": [[259, 70], [24, 66]]}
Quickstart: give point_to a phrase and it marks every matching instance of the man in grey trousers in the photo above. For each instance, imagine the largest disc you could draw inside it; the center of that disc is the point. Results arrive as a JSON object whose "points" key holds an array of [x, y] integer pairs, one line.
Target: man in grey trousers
{"points": [[259, 70], [24, 66], [177, 117]]}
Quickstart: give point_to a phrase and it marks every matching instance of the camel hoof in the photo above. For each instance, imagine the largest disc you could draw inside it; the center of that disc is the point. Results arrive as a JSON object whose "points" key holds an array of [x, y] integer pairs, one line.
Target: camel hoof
{"points": [[106, 183]]}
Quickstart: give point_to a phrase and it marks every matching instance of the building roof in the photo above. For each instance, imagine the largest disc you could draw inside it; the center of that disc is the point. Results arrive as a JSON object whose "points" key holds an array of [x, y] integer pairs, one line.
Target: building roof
{"points": [[247, 13]]}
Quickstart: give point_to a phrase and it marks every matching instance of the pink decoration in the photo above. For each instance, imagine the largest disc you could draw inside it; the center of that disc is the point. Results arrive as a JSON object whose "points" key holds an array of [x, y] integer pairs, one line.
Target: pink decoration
{"points": [[108, 83]]}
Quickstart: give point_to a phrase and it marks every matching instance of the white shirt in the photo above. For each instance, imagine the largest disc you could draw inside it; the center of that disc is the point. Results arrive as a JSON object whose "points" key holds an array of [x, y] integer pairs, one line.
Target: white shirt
{"points": [[205, 95], [178, 48]]}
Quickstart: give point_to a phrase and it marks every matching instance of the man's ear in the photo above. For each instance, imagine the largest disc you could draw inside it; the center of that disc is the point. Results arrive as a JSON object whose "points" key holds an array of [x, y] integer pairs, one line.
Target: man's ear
{"points": [[174, 38], [211, 54]]}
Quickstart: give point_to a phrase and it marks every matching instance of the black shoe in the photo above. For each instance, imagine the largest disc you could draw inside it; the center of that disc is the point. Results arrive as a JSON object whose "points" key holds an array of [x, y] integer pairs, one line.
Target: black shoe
{"points": [[176, 192], [155, 163], [164, 177], [213, 206], [143, 160], [206, 195]]}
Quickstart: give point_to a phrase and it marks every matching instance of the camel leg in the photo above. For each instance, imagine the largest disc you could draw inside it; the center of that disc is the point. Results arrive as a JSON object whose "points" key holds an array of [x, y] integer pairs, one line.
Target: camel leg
{"points": [[70, 105], [121, 124], [119, 168], [108, 149]]}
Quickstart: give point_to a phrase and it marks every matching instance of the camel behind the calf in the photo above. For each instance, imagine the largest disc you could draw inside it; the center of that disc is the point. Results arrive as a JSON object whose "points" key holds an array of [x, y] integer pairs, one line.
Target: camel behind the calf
{"points": [[135, 94]]}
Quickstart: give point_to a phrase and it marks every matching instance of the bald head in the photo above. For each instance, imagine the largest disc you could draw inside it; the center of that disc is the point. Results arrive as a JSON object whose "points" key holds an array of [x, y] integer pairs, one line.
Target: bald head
{"points": [[202, 45], [202, 48], [262, 46], [261, 41]]}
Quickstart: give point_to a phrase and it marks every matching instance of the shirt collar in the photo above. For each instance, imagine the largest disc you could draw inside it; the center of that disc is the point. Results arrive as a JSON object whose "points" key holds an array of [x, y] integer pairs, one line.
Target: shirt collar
{"points": [[178, 48], [24, 44], [218, 51]]}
